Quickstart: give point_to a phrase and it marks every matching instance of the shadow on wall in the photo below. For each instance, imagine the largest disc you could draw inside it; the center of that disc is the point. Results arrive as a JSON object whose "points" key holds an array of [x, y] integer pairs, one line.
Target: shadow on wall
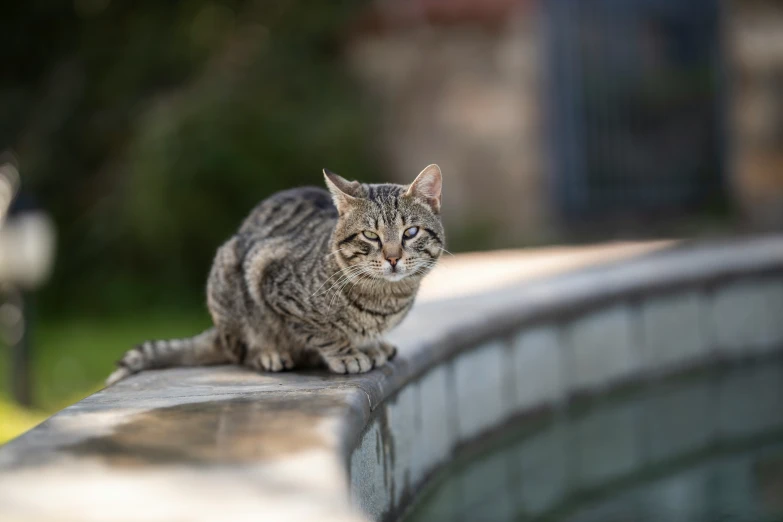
{"points": [[656, 453]]}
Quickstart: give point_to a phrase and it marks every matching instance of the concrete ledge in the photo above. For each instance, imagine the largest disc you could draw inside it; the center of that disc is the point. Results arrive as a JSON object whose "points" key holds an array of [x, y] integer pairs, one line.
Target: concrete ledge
{"points": [[486, 342]]}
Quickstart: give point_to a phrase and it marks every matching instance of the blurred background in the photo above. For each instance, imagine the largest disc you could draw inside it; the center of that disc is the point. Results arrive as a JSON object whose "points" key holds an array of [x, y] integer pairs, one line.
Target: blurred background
{"points": [[136, 135]]}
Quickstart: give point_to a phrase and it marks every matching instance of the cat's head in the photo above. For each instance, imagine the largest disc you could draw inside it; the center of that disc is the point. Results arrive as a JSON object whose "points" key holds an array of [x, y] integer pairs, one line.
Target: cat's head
{"points": [[388, 232]]}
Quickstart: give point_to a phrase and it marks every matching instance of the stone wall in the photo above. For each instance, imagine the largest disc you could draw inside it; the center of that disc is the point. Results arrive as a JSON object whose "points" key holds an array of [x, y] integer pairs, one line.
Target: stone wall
{"points": [[592, 344], [657, 447], [467, 97], [226, 443]]}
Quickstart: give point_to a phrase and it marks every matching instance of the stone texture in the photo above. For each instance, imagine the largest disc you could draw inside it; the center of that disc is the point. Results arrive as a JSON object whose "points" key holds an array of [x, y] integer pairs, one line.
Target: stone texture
{"points": [[750, 402], [402, 418], [444, 504], [740, 318], [606, 443], [368, 466], [86, 491], [498, 506], [482, 401], [542, 470], [485, 485], [602, 348], [537, 367], [672, 329], [678, 419], [774, 316], [436, 436]]}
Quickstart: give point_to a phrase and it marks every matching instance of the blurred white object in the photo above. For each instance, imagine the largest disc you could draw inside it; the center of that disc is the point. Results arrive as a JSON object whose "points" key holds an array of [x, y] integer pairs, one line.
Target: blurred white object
{"points": [[27, 249], [9, 184], [26, 240]]}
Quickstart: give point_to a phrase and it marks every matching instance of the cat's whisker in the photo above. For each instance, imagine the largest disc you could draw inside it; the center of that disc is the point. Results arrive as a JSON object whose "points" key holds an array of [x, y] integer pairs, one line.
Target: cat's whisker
{"points": [[326, 281], [336, 252], [338, 291], [346, 273], [356, 278], [422, 268], [337, 273], [424, 265]]}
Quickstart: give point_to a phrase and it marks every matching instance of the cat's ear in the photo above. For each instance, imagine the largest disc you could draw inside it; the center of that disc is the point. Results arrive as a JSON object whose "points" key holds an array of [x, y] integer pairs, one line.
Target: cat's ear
{"points": [[343, 191], [427, 186]]}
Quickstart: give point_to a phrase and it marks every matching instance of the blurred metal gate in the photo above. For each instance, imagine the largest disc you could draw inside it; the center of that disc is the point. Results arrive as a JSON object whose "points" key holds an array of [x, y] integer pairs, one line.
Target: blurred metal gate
{"points": [[634, 105]]}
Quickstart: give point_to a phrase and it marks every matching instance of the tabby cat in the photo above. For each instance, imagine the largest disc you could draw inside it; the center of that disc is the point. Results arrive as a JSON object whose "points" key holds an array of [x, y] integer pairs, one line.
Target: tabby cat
{"points": [[313, 275]]}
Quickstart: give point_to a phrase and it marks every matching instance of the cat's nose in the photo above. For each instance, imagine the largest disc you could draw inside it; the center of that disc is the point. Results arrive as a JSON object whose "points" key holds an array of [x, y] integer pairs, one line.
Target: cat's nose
{"points": [[392, 253]]}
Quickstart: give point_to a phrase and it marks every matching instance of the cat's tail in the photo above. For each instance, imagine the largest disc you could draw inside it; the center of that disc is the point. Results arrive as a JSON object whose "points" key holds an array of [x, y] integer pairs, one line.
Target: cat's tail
{"points": [[200, 350]]}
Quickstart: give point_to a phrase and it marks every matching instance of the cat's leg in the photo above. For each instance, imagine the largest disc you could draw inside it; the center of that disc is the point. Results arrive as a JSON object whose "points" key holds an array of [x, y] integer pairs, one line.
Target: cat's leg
{"points": [[380, 352], [224, 285], [267, 349], [265, 354], [344, 358], [268, 346], [270, 360]]}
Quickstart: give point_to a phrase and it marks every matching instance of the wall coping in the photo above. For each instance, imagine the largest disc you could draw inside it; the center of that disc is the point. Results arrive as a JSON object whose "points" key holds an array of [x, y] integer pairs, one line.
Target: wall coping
{"points": [[224, 443]]}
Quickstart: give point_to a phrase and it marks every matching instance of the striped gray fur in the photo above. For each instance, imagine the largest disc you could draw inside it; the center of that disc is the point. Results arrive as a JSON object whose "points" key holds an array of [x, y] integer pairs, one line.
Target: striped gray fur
{"points": [[312, 276]]}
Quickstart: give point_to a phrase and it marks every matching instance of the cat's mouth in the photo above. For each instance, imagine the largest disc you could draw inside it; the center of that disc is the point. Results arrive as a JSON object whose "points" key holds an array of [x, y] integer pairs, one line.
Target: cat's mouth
{"points": [[395, 272], [396, 275]]}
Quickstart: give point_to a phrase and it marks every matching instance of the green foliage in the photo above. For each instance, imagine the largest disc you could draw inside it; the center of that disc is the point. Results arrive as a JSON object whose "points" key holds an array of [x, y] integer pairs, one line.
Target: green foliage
{"points": [[73, 356], [149, 129]]}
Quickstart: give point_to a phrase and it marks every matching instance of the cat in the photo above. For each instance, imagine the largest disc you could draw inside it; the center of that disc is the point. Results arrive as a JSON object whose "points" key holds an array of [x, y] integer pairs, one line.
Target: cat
{"points": [[313, 275]]}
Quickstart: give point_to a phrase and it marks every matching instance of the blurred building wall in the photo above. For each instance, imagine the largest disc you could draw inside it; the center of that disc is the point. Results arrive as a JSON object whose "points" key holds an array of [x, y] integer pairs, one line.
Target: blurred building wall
{"points": [[755, 36], [459, 84], [546, 115]]}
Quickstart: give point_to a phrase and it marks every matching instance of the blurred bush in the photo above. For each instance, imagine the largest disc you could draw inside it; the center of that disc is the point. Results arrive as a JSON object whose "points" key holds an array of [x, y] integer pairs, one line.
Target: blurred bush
{"points": [[149, 129]]}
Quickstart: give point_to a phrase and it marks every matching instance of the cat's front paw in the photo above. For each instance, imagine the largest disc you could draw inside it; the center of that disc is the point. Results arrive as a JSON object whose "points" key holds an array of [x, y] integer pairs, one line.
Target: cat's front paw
{"points": [[380, 352], [354, 362], [272, 361]]}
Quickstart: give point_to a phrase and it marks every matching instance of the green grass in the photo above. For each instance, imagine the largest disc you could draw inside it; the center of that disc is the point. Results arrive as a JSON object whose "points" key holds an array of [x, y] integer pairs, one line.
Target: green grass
{"points": [[15, 420], [72, 357]]}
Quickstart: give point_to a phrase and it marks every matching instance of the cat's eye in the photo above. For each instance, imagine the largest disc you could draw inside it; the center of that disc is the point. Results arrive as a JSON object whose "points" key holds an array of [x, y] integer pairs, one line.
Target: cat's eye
{"points": [[411, 232], [370, 235]]}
